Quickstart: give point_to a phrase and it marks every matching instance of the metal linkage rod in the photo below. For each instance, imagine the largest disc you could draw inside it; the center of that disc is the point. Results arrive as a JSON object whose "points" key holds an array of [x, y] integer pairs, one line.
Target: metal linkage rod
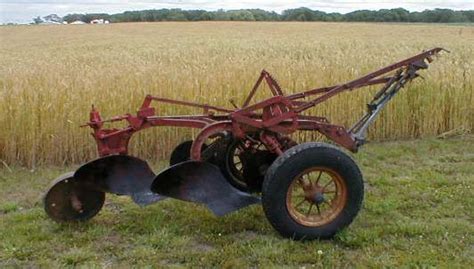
{"points": [[352, 84], [380, 100]]}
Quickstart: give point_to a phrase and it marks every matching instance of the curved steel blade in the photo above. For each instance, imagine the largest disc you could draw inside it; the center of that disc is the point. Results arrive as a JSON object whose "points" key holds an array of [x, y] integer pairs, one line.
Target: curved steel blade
{"points": [[120, 174], [201, 182]]}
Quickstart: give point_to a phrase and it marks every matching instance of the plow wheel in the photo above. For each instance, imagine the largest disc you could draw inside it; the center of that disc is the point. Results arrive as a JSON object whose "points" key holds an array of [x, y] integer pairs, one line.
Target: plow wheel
{"points": [[245, 164], [319, 186], [69, 201], [243, 167]]}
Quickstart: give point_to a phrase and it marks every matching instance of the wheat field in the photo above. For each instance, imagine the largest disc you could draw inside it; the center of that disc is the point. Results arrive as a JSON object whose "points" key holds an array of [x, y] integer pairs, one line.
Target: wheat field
{"points": [[50, 76]]}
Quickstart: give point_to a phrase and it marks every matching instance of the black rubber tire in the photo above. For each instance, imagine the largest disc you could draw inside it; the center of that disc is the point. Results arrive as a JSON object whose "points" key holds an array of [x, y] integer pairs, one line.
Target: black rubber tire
{"points": [[294, 161], [181, 152]]}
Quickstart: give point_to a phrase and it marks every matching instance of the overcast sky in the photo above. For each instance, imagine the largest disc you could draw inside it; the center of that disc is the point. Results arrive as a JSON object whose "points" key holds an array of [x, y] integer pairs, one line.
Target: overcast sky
{"points": [[21, 11]]}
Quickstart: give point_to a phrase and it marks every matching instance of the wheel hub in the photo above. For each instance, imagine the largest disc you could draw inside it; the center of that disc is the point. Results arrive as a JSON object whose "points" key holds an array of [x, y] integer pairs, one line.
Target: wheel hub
{"points": [[314, 193], [318, 198]]}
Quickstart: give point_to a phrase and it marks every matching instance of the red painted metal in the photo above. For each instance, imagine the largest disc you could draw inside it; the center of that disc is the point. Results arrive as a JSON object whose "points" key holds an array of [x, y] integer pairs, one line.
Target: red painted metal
{"points": [[280, 114]]}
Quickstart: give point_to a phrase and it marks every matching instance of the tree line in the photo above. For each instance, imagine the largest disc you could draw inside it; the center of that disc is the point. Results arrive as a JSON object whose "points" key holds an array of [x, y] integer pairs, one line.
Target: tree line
{"points": [[298, 14]]}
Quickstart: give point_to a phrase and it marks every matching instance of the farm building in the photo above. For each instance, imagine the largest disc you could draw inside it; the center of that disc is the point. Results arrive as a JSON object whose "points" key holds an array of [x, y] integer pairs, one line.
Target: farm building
{"points": [[99, 21], [77, 22]]}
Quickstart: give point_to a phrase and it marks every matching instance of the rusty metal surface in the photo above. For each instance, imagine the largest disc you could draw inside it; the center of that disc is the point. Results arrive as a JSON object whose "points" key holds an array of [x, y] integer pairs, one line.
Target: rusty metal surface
{"points": [[68, 200], [277, 114], [120, 174], [201, 182]]}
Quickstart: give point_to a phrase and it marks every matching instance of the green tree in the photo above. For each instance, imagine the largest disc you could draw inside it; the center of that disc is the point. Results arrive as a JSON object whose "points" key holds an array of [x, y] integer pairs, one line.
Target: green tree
{"points": [[37, 20], [297, 14]]}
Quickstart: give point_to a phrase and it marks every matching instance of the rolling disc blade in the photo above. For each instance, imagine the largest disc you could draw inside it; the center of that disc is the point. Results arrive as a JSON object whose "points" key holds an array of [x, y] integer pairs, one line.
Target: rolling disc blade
{"points": [[67, 200]]}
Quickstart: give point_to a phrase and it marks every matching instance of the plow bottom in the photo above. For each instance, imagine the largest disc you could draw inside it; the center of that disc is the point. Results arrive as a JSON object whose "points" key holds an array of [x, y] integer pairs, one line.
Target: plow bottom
{"points": [[120, 174], [79, 195], [201, 182]]}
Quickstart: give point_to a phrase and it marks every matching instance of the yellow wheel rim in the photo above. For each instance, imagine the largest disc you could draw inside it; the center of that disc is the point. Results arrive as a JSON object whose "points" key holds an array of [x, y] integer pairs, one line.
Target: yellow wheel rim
{"points": [[316, 196]]}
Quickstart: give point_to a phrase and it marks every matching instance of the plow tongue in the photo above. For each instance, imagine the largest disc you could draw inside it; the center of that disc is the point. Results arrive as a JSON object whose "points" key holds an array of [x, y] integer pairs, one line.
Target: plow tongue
{"points": [[120, 174], [201, 182]]}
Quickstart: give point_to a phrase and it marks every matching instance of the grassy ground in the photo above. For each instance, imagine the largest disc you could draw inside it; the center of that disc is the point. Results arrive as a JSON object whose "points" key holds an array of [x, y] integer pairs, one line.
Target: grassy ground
{"points": [[418, 212]]}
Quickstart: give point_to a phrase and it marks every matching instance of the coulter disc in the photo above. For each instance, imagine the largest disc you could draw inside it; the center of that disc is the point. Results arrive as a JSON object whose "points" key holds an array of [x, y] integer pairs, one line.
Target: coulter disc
{"points": [[68, 200]]}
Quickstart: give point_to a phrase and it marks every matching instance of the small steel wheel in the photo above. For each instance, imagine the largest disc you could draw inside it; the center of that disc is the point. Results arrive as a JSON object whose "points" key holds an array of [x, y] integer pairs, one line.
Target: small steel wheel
{"points": [[245, 165], [233, 166], [246, 162], [70, 201], [312, 191]]}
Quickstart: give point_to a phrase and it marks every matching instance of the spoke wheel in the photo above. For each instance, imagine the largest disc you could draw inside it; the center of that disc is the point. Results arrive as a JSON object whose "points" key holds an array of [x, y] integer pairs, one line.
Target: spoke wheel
{"points": [[247, 165], [312, 191], [316, 196], [235, 166], [246, 162]]}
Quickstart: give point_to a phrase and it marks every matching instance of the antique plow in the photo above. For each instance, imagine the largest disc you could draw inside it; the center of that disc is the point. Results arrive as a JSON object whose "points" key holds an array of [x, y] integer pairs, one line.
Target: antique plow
{"points": [[241, 156]]}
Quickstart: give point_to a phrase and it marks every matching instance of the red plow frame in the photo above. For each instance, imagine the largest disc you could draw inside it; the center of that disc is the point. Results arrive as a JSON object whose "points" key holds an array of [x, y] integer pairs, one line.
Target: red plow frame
{"points": [[278, 114]]}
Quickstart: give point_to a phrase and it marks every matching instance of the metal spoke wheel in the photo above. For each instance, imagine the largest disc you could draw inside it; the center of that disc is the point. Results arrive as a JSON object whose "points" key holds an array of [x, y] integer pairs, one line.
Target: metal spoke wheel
{"points": [[235, 166], [312, 191], [316, 196], [246, 164]]}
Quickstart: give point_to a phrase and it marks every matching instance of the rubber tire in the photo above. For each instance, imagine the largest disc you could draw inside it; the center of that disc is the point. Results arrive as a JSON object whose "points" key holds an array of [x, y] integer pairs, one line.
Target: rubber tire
{"points": [[291, 163]]}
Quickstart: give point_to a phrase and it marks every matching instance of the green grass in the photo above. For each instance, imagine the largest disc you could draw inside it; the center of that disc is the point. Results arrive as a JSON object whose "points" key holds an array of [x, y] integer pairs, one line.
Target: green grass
{"points": [[417, 213]]}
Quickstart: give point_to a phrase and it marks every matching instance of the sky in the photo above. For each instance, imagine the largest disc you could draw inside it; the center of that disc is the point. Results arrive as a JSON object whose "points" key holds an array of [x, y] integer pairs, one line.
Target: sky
{"points": [[22, 11]]}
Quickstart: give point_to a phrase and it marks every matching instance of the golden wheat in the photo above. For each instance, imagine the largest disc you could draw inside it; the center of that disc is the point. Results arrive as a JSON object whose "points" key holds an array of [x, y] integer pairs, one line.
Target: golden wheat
{"points": [[50, 75]]}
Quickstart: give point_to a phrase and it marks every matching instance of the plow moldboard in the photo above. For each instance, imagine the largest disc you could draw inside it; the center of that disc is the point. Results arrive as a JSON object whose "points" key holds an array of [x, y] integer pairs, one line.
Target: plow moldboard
{"points": [[120, 174], [201, 182]]}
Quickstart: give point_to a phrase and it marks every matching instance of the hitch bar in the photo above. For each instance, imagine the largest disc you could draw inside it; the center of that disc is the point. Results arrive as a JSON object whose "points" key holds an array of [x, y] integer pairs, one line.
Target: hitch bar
{"points": [[383, 96]]}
